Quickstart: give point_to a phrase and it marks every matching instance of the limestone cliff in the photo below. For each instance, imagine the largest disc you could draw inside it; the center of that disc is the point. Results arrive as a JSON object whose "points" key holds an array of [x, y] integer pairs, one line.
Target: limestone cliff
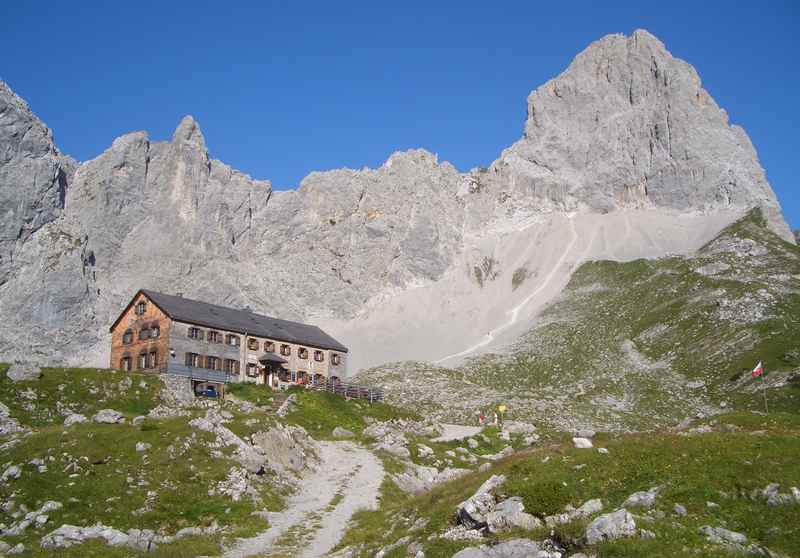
{"points": [[409, 260]]}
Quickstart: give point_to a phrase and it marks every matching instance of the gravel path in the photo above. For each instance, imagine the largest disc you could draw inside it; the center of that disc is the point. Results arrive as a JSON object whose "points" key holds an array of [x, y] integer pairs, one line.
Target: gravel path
{"points": [[348, 480]]}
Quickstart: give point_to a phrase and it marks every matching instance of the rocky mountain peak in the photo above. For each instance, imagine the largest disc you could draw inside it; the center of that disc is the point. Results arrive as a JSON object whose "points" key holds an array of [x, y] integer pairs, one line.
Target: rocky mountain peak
{"points": [[188, 133], [624, 156]]}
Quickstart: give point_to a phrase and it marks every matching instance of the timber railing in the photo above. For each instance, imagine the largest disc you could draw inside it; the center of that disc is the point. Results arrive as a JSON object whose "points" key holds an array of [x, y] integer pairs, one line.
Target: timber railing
{"points": [[196, 373], [348, 390]]}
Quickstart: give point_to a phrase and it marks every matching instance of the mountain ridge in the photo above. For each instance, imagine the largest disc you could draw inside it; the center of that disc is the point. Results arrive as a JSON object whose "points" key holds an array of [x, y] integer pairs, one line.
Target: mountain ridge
{"points": [[385, 246]]}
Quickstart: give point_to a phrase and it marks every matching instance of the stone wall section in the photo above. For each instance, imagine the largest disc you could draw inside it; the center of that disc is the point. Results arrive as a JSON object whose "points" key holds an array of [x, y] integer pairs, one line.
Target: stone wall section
{"points": [[133, 322]]}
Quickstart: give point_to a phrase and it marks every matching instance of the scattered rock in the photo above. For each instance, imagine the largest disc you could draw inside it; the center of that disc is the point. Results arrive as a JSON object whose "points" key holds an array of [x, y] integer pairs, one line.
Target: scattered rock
{"points": [[611, 526], [515, 548], [287, 406], [108, 416], [518, 427], [143, 446], [505, 452], [510, 514], [588, 508], [37, 518], [678, 509], [8, 425], [718, 535], [771, 493], [340, 432], [582, 443], [12, 472], [419, 478], [643, 499], [472, 512], [424, 451], [23, 372], [283, 448], [138, 420], [70, 535], [74, 418], [604, 451], [587, 433]]}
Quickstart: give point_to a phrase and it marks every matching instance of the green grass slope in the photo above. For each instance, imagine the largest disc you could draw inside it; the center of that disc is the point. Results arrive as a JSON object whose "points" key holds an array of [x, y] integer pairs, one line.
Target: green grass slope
{"points": [[642, 344], [95, 471], [740, 453]]}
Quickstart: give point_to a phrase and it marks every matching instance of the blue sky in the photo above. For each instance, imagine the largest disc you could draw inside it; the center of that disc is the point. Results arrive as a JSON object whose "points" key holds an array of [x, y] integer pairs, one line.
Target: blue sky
{"points": [[284, 88]]}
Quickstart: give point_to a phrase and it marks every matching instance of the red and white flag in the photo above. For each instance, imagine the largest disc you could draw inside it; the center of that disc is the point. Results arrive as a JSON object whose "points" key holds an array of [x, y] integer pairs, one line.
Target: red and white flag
{"points": [[758, 370]]}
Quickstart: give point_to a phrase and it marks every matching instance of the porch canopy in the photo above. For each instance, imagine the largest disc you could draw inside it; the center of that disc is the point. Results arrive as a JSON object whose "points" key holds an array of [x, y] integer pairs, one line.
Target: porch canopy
{"points": [[272, 358]]}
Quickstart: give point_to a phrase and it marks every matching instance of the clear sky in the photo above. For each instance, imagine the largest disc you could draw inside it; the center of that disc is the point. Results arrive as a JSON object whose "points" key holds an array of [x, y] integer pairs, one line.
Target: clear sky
{"points": [[284, 88]]}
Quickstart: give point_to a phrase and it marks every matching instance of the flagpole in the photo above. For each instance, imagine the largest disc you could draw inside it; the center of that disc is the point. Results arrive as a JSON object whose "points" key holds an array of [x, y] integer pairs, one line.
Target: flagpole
{"points": [[764, 393]]}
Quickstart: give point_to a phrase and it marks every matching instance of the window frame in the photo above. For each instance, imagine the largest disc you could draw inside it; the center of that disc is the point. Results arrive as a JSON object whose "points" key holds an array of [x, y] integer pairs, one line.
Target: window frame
{"points": [[233, 340], [126, 363], [231, 366], [152, 359], [195, 333], [142, 361], [140, 308], [286, 350], [127, 337], [319, 356], [269, 346], [336, 359], [302, 352]]}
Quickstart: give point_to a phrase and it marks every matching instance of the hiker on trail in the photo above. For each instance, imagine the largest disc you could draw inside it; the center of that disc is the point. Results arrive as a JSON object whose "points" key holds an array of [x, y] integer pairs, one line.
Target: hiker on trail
{"points": [[494, 421], [481, 418]]}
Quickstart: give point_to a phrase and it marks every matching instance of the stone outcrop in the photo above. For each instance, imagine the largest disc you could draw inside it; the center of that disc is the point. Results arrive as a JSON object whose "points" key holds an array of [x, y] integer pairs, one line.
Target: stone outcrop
{"points": [[611, 526], [8, 424], [515, 548], [108, 416], [419, 478], [626, 126], [23, 372]]}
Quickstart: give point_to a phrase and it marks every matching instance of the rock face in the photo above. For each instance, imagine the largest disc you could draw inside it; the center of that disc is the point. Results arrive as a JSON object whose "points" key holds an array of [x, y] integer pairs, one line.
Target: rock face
{"points": [[626, 128]]}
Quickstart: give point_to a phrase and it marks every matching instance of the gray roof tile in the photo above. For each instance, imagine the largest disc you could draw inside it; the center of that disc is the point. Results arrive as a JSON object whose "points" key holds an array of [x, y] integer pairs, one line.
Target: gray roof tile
{"points": [[242, 321]]}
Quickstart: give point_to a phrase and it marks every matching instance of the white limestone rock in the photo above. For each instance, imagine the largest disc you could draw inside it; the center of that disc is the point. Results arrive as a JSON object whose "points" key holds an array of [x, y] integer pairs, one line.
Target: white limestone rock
{"points": [[642, 499], [340, 432], [582, 443], [472, 512], [74, 418], [23, 372], [108, 416], [515, 548], [611, 526]]}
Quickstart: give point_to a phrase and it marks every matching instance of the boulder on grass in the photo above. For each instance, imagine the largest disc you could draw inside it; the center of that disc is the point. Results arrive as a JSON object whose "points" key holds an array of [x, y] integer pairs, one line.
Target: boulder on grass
{"points": [[611, 526], [23, 372], [74, 418], [108, 416], [340, 432]]}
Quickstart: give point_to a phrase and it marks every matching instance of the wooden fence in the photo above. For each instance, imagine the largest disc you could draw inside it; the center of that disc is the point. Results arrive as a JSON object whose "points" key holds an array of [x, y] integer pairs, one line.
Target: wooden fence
{"points": [[348, 390]]}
